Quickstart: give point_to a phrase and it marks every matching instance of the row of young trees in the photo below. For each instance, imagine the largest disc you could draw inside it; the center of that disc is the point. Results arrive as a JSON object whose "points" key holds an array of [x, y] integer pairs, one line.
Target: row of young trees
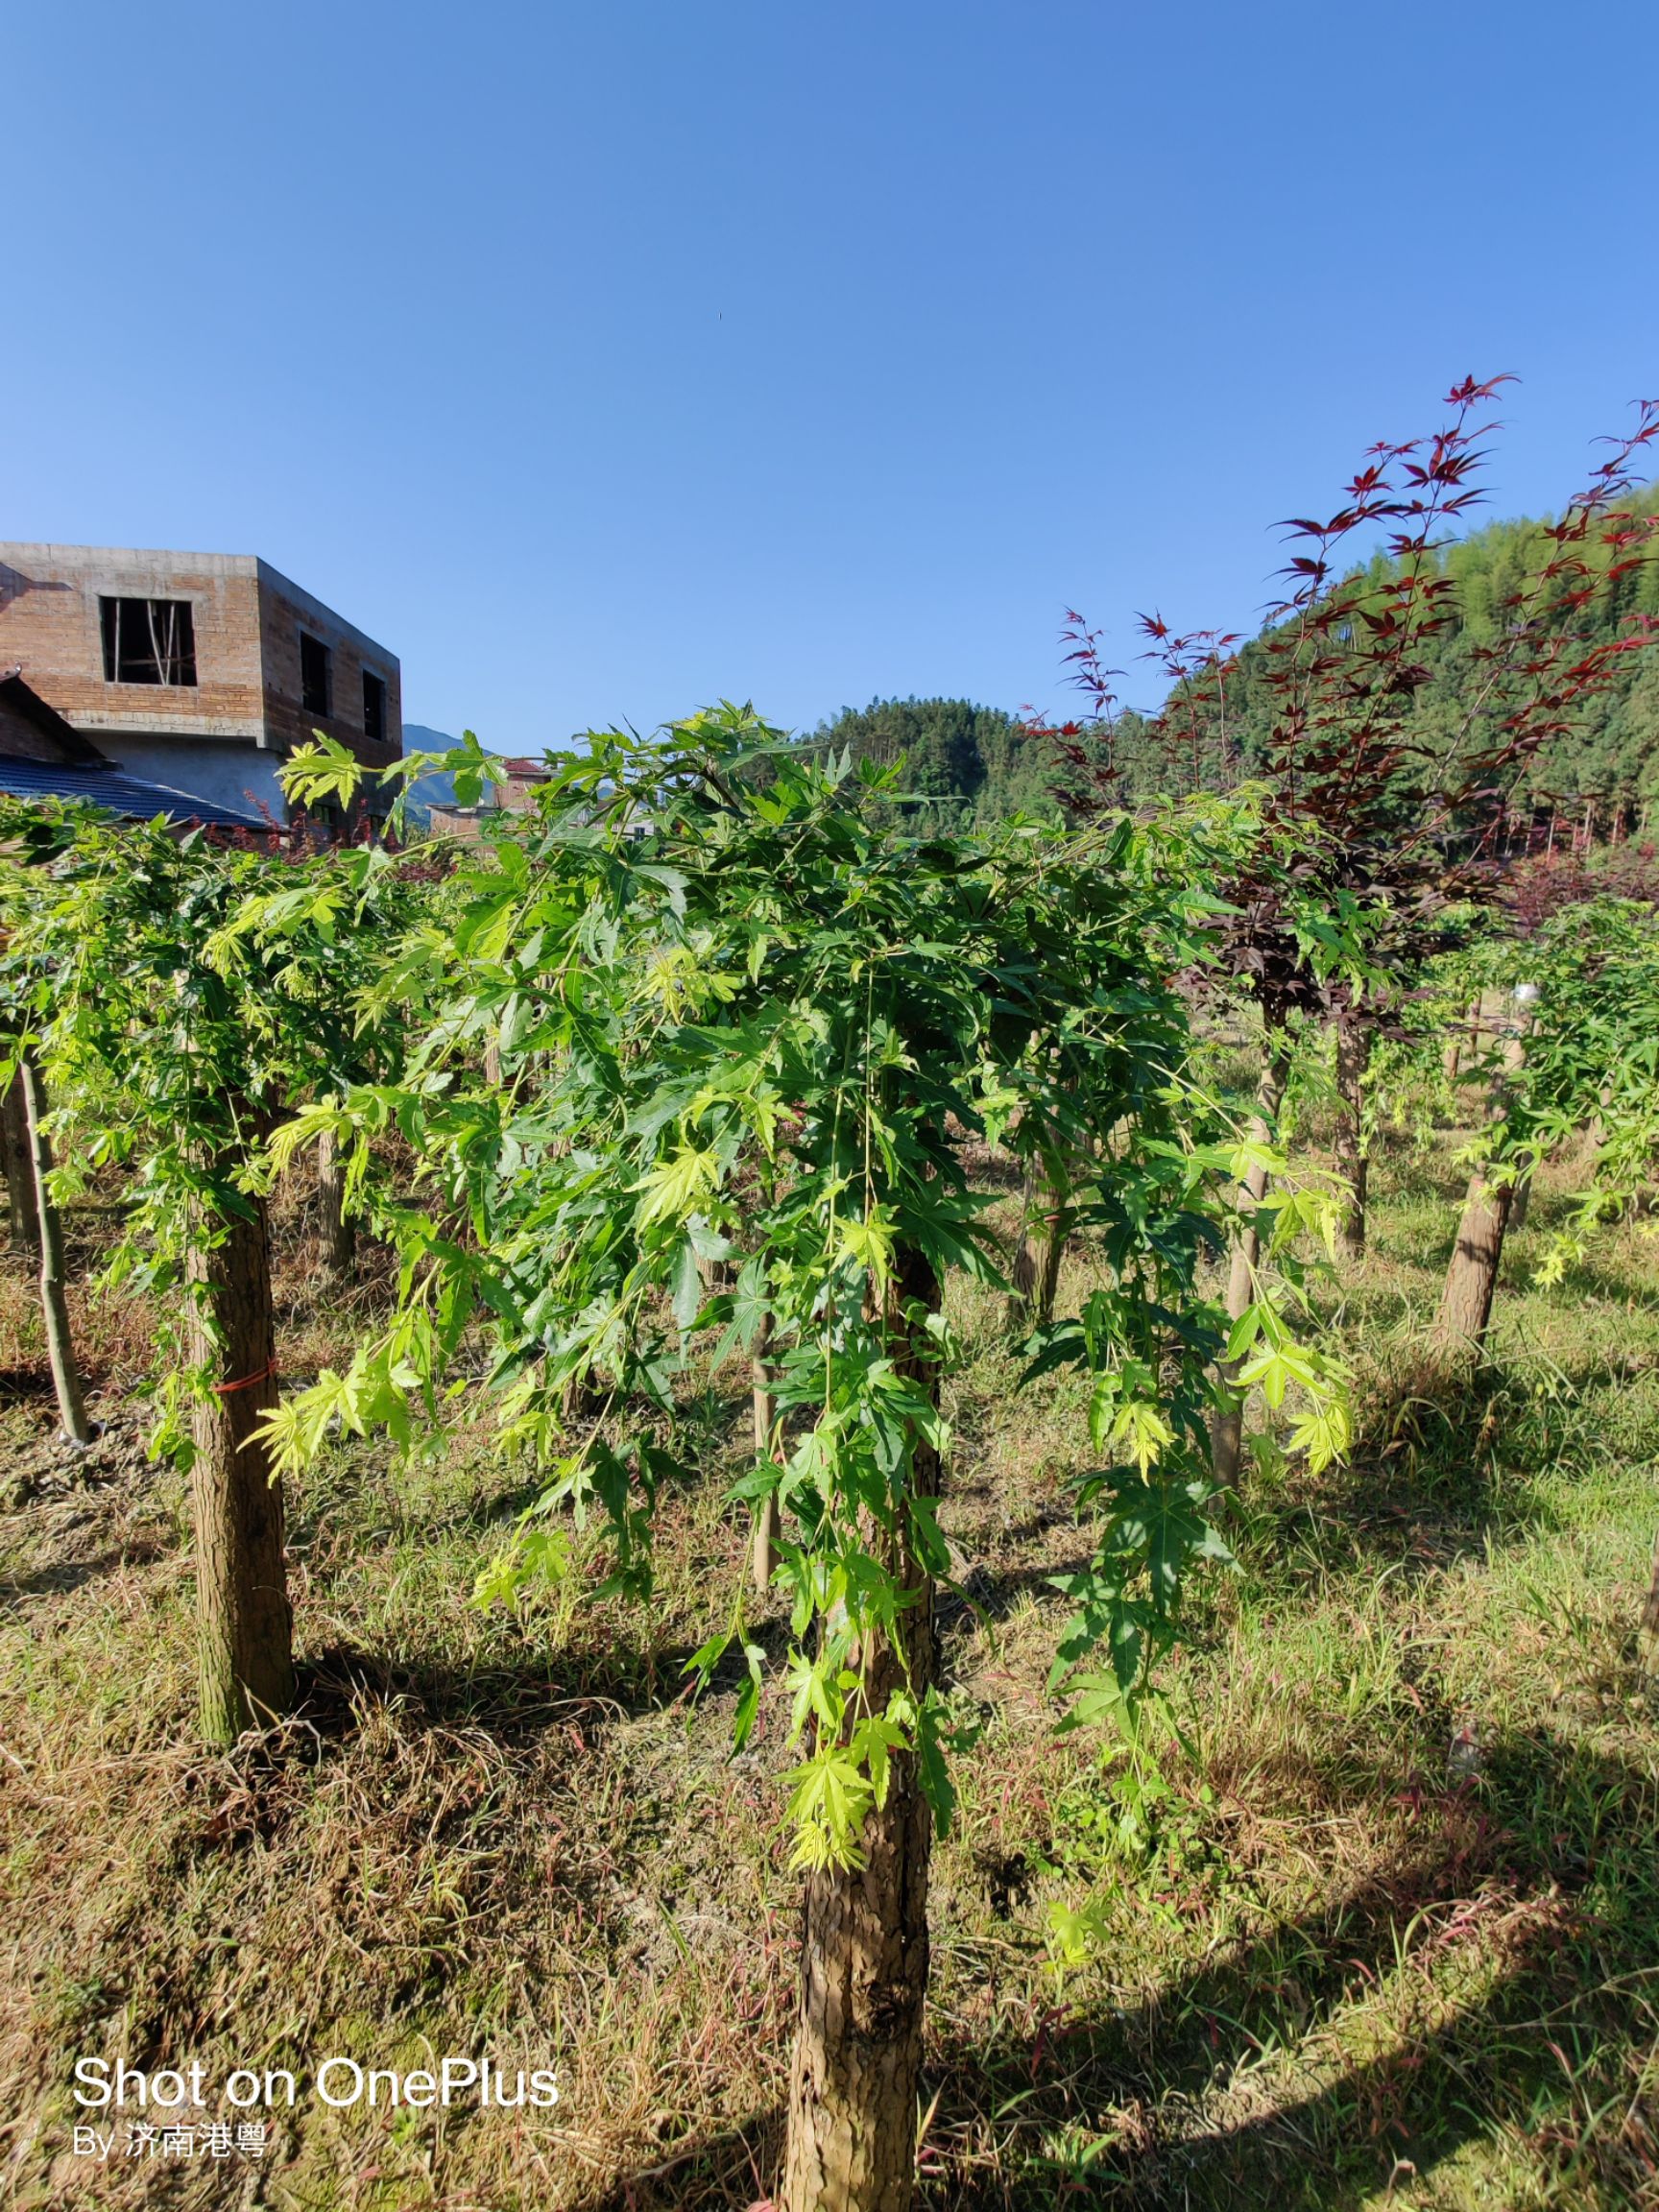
{"points": [[1381, 826], [686, 1065], [682, 1067]]}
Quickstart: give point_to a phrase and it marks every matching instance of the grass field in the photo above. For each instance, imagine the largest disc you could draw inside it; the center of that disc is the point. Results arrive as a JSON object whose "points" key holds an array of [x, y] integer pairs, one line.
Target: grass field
{"points": [[1385, 1931]]}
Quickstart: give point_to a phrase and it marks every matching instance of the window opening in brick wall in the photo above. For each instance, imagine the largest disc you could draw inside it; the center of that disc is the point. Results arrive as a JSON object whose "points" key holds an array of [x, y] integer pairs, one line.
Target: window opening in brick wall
{"points": [[316, 675], [148, 640], [373, 708]]}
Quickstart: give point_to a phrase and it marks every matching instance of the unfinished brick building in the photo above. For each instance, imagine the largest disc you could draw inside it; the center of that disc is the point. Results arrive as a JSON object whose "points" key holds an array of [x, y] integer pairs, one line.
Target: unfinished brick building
{"points": [[201, 671]]}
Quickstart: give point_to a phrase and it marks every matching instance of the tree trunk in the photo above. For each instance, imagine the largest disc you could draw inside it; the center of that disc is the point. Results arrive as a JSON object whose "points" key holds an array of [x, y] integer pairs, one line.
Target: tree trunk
{"points": [[1036, 1271], [766, 1413], [1477, 1024], [1227, 1428], [1648, 1637], [1352, 1164], [1472, 1278], [22, 1214], [851, 2141], [54, 1290], [1023, 1273], [339, 1229], [1057, 1229], [1520, 1201], [246, 1626]]}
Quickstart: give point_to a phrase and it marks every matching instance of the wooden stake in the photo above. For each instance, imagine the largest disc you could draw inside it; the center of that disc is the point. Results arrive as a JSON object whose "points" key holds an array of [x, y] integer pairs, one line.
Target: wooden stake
{"points": [[54, 1291], [764, 1404]]}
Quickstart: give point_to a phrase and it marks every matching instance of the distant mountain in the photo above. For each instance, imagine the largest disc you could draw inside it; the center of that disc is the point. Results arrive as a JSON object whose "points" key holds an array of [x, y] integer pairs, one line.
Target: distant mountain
{"points": [[435, 788]]}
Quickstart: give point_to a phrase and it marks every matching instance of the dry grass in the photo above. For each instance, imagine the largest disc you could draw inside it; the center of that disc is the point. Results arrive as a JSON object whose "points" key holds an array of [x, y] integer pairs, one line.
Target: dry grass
{"points": [[1391, 1935]]}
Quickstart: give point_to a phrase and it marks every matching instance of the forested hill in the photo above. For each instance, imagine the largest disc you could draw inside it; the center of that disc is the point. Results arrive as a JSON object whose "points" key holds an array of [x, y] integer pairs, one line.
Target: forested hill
{"points": [[979, 763], [1608, 761], [973, 764], [1611, 757]]}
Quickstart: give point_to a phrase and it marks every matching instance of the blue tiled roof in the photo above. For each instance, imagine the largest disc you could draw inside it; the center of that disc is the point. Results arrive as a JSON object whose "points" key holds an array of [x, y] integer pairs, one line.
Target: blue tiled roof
{"points": [[126, 795]]}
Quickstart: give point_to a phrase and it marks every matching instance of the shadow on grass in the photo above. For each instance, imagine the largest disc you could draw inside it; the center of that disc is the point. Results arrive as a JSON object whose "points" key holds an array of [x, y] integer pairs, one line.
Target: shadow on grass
{"points": [[74, 1575], [1443, 1466], [517, 1697], [26, 1386], [1321, 2060]]}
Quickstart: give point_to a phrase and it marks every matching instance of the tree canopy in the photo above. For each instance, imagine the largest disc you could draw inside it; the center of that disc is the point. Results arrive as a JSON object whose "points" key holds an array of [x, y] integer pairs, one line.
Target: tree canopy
{"points": [[1608, 753], [971, 764]]}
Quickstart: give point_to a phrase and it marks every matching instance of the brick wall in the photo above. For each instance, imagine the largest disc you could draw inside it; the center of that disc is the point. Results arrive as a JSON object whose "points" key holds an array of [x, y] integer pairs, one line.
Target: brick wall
{"points": [[286, 612], [248, 619], [49, 623]]}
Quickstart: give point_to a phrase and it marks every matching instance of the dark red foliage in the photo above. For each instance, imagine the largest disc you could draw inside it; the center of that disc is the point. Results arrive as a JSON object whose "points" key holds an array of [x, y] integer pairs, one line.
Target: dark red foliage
{"points": [[1541, 885], [1350, 793]]}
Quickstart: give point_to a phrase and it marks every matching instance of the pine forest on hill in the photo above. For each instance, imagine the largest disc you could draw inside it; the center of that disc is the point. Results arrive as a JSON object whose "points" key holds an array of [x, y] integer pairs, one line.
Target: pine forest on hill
{"points": [[981, 764]]}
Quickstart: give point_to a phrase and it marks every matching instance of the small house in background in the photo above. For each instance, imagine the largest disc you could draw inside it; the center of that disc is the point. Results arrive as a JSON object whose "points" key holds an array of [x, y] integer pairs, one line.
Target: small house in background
{"points": [[515, 795], [42, 758], [196, 672]]}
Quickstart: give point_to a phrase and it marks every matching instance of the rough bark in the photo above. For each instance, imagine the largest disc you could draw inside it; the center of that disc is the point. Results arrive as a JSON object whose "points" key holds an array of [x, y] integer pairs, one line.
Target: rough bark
{"points": [[1522, 1200], [1043, 1236], [245, 1625], [1056, 1230], [1022, 1297], [1648, 1637], [765, 1412], [1471, 1277], [22, 1214], [1352, 1164], [54, 1284], [852, 2139], [339, 1229], [1479, 1023], [1227, 1429]]}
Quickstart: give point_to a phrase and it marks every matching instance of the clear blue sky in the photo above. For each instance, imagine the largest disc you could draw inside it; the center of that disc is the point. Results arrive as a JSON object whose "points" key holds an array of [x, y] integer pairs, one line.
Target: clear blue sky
{"points": [[605, 359]]}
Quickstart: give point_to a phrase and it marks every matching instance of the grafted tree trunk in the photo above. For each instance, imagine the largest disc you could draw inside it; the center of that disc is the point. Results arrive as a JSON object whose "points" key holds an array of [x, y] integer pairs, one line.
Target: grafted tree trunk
{"points": [[54, 1286], [852, 2140], [1056, 1230], [764, 1408], [1023, 1273], [245, 1625], [1520, 1201], [1471, 1277], [1465, 1049], [1227, 1429], [1042, 1237], [1352, 1061], [1649, 1626], [1479, 1021], [22, 1215], [1451, 1057], [339, 1229]]}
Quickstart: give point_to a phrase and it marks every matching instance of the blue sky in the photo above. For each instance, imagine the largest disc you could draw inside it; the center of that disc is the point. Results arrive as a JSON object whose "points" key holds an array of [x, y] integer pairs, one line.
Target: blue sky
{"points": [[605, 360]]}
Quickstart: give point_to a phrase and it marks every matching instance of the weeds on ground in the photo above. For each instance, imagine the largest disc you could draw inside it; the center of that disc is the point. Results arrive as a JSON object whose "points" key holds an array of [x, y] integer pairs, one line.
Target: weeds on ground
{"points": [[1377, 1921]]}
